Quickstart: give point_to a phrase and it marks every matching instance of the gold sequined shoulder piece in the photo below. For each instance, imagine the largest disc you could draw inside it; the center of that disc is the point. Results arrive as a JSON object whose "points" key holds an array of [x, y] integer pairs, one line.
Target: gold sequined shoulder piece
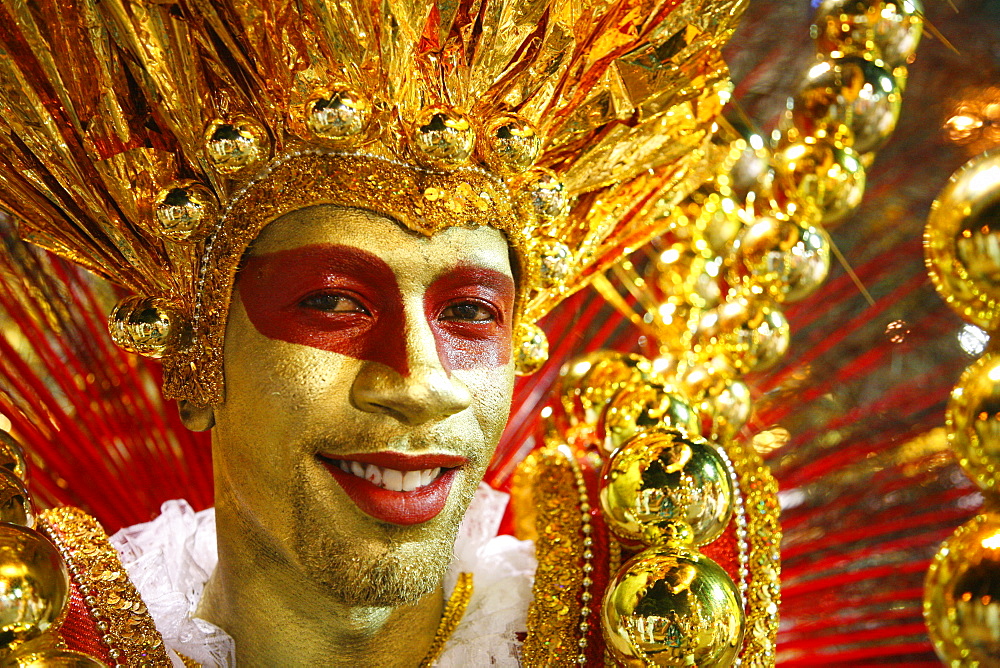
{"points": [[763, 592], [113, 601], [554, 612]]}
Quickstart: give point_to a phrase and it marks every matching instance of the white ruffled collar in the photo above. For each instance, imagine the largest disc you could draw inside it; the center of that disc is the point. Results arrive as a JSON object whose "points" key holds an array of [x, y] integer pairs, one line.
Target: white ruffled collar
{"points": [[171, 558]]}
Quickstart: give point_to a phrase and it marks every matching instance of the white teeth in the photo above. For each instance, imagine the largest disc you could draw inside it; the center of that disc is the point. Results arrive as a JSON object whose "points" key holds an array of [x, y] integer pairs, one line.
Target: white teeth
{"points": [[391, 479], [411, 480], [373, 474]]}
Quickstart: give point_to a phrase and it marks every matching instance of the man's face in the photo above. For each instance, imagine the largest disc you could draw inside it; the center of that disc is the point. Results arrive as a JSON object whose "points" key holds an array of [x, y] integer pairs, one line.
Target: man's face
{"points": [[368, 375]]}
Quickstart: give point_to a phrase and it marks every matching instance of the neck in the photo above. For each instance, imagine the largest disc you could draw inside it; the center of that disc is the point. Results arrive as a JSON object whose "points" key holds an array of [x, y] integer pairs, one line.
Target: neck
{"points": [[278, 616]]}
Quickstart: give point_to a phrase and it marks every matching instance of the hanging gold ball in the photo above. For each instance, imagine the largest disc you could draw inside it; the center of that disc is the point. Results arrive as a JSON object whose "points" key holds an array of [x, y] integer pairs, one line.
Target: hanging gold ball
{"points": [[788, 260], [12, 456], [638, 408], [973, 419], [56, 658], [962, 595], [849, 92], [337, 114], [750, 333], [664, 483], [531, 348], [150, 326], [36, 583], [825, 173], [671, 606], [186, 211], [587, 383], [545, 192], [555, 261], [728, 410], [444, 137], [15, 502], [510, 144], [962, 241], [238, 145], [854, 27]]}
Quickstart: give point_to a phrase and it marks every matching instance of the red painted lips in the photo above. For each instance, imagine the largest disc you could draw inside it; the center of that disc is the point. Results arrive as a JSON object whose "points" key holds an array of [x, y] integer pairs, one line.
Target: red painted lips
{"points": [[396, 507]]}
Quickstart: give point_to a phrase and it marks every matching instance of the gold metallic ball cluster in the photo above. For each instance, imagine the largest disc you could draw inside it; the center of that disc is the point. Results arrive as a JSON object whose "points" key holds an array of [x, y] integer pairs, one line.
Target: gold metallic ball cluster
{"points": [[754, 239], [665, 491], [34, 580], [741, 247], [962, 249]]}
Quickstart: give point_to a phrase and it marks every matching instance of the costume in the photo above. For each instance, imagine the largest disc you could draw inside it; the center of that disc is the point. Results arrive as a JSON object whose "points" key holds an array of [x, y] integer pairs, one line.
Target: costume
{"points": [[563, 467]]}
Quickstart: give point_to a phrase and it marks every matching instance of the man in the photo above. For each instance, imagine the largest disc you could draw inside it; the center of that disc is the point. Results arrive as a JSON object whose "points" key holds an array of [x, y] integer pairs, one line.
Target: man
{"points": [[339, 226]]}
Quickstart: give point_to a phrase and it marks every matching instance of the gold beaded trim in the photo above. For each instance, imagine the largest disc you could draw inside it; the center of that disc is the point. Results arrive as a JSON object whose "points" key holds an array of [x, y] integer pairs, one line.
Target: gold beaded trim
{"points": [[763, 593], [118, 612], [454, 610], [555, 612]]}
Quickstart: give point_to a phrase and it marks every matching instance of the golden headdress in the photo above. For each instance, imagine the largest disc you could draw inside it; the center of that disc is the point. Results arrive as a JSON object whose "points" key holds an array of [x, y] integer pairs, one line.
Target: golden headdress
{"points": [[152, 141]]}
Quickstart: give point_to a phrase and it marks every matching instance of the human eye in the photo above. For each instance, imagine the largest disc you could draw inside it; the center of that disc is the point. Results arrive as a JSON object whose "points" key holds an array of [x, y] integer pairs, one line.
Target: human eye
{"points": [[331, 302], [469, 311]]}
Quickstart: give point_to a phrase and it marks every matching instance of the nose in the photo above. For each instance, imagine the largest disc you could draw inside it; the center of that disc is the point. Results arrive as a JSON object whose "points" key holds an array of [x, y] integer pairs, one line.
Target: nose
{"points": [[428, 393]]}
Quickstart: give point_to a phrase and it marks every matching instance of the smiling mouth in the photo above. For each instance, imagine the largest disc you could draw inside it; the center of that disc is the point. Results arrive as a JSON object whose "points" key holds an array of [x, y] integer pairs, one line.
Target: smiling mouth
{"points": [[390, 479], [393, 487]]}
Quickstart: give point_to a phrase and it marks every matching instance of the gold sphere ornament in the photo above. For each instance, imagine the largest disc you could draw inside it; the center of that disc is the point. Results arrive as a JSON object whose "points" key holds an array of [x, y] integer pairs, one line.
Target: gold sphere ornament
{"points": [[34, 585], [555, 261], [892, 27], [962, 595], [531, 348], [149, 326], [443, 137], [790, 261], [973, 419], [238, 145], [962, 241], [510, 144], [337, 115], [851, 93], [56, 658], [587, 383], [637, 408], [664, 483], [546, 193], [12, 456], [827, 174], [186, 212], [15, 502], [750, 334], [728, 410], [671, 606]]}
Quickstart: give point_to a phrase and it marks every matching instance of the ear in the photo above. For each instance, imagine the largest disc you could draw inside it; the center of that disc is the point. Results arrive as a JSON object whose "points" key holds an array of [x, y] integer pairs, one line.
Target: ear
{"points": [[194, 417]]}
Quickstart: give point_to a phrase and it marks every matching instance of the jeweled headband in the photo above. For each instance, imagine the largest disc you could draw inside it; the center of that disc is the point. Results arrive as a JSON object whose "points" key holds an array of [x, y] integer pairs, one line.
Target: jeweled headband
{"points": [[151, 142]]}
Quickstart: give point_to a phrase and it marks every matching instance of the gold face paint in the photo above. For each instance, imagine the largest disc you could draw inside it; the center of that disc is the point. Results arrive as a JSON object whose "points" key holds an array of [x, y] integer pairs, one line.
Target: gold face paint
{"points": [[314, 378]]}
